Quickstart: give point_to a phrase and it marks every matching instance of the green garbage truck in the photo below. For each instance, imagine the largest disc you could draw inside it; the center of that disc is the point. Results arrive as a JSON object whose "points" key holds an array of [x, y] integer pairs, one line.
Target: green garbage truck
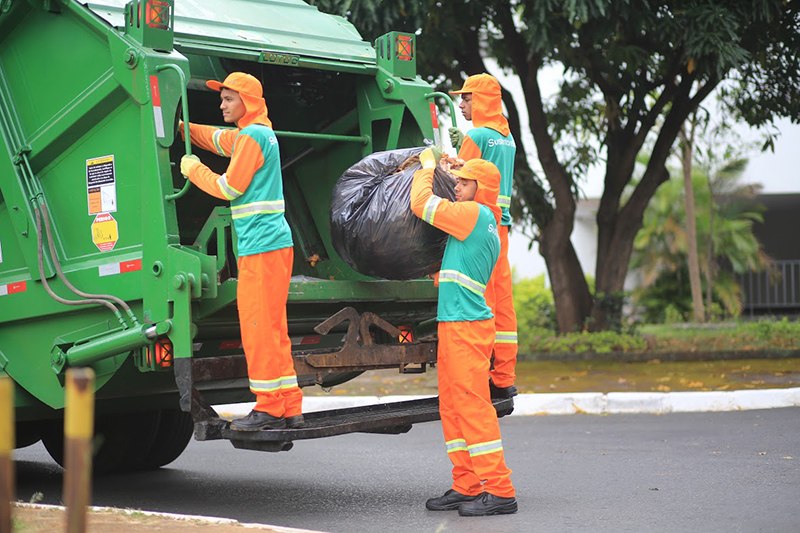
{"points": [[109, 258]]}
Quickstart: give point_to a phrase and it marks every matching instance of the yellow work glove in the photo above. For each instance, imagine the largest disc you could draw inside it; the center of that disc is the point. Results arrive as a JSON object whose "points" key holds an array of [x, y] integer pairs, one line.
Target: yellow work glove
{"points": [[456, 137], [430, 157], [188, 162]]}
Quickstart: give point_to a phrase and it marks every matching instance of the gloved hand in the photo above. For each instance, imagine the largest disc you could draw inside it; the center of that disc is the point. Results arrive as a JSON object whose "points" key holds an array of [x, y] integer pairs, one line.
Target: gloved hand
{"points": [[430, 157], [188, 162], [456, 137]]}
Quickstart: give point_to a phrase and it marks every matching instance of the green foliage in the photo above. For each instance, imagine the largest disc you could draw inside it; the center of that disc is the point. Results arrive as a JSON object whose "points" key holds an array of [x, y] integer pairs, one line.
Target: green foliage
{"points": [[767, 330], [533, 303], [724, 236], [584, 342], [632, 71], [765, 334]]}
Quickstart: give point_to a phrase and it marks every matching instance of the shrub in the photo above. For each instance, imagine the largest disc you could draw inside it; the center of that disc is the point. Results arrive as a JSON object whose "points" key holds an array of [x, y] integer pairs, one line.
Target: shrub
{"points": [[536, 314], [584, 342]]}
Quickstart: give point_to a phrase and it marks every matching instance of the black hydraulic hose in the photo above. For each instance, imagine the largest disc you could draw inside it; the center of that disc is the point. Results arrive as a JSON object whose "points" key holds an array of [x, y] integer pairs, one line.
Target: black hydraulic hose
{"points": [[70, 286], [53, 295]]}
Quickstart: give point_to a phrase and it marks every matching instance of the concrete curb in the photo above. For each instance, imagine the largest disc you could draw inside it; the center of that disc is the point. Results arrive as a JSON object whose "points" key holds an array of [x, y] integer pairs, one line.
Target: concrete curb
{"points": [[172, 516], [595, 403]]}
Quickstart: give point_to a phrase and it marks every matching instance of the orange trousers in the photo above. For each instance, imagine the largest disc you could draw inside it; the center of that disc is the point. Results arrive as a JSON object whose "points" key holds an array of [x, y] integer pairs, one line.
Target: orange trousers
{"points": [[262, 292], [469, 421], [503, 371]]}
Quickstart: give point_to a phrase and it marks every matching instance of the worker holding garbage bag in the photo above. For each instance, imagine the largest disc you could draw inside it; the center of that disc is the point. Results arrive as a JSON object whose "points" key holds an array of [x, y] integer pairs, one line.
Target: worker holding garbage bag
{"points": [[481, 480]]}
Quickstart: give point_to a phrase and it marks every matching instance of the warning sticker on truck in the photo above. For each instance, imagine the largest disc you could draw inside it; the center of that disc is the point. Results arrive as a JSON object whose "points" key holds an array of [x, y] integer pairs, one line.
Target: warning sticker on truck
{"points": [[13, 288], [105, 233], [101, 185]]}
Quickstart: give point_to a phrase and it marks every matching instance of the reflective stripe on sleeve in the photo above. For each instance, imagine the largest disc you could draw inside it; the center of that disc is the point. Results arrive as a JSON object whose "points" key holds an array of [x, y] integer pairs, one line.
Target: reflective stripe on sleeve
{"points": [[482, 448], [504, 201], [454, 276], [456, 445], [430, 209], [215, 139], [227, 191], [257, 208], [505, 337]]}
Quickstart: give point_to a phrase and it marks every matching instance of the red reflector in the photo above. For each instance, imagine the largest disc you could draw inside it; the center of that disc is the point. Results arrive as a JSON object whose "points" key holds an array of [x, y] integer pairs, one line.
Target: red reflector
{"points": [[157, 14], [405, 48], [164, 353], [310, 339], [406, 334], [230, 345]]}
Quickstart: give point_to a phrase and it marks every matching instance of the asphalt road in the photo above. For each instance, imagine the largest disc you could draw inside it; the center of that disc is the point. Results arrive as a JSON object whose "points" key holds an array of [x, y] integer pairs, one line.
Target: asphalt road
{"points": [[710, 472]]}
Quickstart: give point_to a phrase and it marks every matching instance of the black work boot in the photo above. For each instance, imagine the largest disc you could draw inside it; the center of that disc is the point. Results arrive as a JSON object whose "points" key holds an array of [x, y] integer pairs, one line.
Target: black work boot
{"points": [[294, 422], [258, 420], [501, 393], [488, 504], [449, 501]]}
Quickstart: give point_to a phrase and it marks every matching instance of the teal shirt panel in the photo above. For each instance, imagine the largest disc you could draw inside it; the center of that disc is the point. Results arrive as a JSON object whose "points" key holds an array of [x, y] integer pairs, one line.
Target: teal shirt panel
{"points": [[466, 266], [258, 214], [500, 150]]}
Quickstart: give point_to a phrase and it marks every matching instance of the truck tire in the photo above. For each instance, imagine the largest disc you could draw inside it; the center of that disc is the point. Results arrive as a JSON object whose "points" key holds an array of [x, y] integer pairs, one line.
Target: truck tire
{"points": [[27, 433], [118, 445], [173, 432]]}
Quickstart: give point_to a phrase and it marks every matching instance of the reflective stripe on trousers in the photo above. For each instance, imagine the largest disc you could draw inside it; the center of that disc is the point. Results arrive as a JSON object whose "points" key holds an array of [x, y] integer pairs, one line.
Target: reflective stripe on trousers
{"points": [[505, 318], [469, 420], [262, 291]]}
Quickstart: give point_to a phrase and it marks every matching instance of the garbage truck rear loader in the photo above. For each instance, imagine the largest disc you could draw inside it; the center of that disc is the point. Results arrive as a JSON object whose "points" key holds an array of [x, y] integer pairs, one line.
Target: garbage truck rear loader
{"points": [[109, 258]]}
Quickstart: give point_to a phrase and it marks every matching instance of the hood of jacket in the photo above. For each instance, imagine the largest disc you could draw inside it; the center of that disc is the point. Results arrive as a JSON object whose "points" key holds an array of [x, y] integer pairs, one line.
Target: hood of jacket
{"points": [[487, 102]]}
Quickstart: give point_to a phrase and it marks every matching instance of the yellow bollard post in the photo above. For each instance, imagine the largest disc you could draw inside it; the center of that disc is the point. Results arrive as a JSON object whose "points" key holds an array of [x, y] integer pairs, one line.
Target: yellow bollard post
{"points": [[78, 430], [6, 447]]}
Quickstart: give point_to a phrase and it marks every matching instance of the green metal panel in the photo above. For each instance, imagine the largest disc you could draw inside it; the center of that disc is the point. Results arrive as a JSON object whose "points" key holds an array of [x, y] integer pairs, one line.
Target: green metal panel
{"points": [[89, 106], [290, 28]]}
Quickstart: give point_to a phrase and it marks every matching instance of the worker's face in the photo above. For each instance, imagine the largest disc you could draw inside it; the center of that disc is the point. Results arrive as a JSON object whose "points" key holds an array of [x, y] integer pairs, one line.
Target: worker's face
{"points": [[465, 190], [466, 105], [231, 105]]}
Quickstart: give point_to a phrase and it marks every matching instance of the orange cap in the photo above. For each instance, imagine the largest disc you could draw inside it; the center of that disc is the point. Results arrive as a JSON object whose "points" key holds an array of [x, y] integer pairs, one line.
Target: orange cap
{"points": [[479, 170], [480, 83], [240, 82]]}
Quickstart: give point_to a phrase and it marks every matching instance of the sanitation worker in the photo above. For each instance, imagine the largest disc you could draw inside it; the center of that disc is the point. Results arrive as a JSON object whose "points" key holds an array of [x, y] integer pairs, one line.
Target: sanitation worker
{"points": [[481, 480], [253, 184], [490, 139]]}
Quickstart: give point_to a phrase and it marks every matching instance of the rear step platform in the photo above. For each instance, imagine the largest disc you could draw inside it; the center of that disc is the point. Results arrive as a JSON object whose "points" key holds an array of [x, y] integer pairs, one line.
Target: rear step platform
{"points": [[391, 418]]}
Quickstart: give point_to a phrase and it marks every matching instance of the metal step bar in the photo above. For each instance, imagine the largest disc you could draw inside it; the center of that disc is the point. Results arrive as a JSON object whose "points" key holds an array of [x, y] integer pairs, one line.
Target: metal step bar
{"points": [[387, 418]]}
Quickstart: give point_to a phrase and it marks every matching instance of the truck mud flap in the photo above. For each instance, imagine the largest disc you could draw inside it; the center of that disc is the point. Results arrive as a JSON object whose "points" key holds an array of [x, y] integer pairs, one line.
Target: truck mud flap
{"points": [[388, 418]]}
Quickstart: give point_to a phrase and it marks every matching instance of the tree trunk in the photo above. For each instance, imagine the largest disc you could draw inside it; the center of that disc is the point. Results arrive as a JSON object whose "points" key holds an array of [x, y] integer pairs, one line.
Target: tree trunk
{"points": [[571, 295], [687, 140], [711, 266]]}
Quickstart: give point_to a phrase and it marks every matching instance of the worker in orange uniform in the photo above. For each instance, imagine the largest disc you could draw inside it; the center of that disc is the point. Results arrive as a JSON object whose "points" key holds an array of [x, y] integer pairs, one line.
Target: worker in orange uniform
{"points": [[481, 480], [254, 186], [490, 139]]}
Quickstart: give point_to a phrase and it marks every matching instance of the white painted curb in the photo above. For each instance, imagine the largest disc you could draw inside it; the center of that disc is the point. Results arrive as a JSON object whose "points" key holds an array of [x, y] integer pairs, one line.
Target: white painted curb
{"points": [[595, 403], [172, 516]]}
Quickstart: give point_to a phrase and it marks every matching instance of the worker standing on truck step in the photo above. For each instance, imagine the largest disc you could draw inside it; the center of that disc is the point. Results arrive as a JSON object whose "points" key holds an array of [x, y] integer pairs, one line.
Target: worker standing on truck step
{"points": [[490, 139], [254, 186], [481, 480]]}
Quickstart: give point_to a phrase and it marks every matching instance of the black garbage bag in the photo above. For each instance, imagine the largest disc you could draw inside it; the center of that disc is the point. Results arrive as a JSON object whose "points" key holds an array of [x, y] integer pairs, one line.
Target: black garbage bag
{"points": [[372, 226]]}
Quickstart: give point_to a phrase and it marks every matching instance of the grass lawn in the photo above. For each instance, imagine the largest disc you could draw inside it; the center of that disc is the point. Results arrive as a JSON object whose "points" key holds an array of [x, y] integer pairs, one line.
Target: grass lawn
{"points": [[598, 376]]}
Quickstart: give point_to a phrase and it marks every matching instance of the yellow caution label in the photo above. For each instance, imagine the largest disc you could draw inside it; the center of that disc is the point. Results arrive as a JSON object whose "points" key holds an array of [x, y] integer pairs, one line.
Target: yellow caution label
{"points": [[105, 232]]}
